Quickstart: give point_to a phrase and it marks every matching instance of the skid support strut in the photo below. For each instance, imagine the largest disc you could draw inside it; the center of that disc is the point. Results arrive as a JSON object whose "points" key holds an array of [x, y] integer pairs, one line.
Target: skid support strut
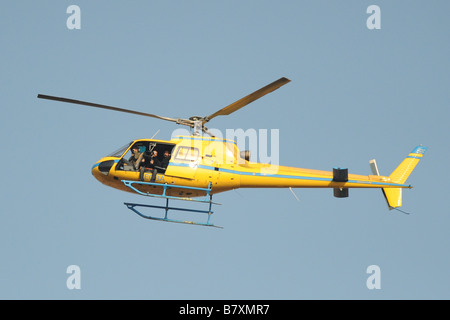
{"points": [[208, 199]]}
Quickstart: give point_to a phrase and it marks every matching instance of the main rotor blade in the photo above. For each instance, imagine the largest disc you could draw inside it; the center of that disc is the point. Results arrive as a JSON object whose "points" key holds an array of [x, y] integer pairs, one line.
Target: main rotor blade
{"points": [[248, 99], [96, 105]]}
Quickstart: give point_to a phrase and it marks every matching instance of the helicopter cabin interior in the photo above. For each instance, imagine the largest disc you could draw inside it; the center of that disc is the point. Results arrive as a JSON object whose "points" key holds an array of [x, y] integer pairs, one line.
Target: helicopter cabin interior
{"points": [[146, 148]]}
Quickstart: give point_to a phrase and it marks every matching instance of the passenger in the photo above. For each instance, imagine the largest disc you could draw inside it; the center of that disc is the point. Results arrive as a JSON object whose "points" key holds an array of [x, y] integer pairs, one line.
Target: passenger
{"points": [[155, 164], [149, 163], [165, 160]]}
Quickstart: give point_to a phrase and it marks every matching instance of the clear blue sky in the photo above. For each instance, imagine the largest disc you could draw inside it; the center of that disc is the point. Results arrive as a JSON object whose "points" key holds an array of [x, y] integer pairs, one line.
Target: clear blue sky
{"points": [[356, 94]]}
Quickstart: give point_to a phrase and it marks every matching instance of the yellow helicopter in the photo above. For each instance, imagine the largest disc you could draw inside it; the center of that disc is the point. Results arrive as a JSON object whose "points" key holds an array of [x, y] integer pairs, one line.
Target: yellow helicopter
{"points": [[195, 167]]}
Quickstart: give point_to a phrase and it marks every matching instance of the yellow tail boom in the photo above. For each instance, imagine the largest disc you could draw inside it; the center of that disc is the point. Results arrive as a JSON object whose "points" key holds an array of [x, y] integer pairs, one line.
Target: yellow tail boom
{"points": [[400, 174]]}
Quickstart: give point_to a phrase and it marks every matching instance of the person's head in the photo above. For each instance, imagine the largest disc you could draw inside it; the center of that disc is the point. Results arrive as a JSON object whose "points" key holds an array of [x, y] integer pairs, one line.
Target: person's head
{"points": [[135, 149], [166, 153], [155, 153]]}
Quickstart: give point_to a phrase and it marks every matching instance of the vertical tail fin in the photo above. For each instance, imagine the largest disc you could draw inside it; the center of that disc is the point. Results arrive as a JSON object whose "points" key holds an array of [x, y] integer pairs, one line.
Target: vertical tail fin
{"points": [[400, 174]]}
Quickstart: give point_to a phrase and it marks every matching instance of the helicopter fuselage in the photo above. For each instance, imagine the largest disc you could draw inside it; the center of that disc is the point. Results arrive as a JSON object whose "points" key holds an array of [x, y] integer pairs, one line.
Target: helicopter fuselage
{"points": [[199, 162]]}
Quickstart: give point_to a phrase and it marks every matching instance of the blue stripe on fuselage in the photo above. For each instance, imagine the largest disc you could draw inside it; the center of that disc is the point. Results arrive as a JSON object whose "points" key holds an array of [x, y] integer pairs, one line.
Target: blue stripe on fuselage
{"points": [[178, 164]]}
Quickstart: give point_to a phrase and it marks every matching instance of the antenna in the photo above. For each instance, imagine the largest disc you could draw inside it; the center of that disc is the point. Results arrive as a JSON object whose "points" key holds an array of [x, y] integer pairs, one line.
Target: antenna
{"points": [[155, 134], [294, 194]]}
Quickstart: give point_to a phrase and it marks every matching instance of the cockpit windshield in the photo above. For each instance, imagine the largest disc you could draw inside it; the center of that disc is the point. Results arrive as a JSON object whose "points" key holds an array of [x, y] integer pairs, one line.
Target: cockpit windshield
{"points": [[118, 153]]}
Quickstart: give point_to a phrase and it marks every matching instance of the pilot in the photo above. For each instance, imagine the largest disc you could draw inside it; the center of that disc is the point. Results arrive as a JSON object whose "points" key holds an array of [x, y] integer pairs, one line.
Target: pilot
{"points": [[133, 161], [135, 154]]}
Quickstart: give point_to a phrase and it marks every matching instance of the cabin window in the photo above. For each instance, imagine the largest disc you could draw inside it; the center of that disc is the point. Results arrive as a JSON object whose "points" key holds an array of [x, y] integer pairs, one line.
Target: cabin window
{"points": [[187, 153]]}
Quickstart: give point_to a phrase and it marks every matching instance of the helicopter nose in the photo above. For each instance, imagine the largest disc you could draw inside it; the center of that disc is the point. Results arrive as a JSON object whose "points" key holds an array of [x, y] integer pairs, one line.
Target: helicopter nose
{"points": [[102, 167]]}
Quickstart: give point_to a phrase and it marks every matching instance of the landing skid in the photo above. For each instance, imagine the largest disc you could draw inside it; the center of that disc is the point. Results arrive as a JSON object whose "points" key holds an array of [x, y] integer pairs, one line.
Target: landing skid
{"points": [[208, 199]]}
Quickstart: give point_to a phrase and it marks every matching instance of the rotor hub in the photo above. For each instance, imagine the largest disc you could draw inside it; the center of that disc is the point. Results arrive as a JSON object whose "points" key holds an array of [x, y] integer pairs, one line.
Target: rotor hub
{"points": [[196, 118]]}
